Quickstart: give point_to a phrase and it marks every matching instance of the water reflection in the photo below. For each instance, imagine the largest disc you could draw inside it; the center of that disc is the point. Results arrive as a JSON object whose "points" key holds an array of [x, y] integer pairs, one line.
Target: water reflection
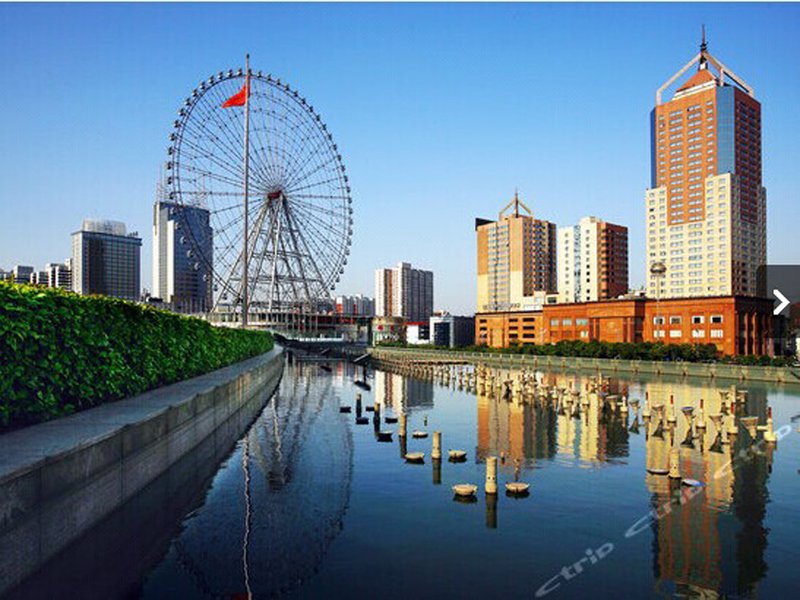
{"points": [[714, 544], [274, 507], [402, 394], [708, 544]]}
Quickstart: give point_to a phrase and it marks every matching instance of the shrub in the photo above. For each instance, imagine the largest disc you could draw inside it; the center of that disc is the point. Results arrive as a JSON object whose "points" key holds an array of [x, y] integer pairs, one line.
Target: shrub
{"points": [[60, 352]]}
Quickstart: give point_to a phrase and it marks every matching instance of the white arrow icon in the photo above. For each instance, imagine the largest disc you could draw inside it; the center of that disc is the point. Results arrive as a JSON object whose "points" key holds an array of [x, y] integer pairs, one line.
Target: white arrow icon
{"points": [[784, 302]]}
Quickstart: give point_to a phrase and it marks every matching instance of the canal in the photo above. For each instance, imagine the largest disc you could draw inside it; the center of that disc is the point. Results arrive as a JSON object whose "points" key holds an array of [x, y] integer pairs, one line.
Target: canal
{"points": [[310, 504]]}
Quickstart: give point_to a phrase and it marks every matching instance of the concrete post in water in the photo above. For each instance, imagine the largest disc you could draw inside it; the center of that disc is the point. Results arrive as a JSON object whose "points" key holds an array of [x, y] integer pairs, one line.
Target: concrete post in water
{"points": [[358, 405], [436, 452], [491, 511], [769, 433], [672, 417], [402, 427], [491, 475], [701, 417], [377, 407], [674, 464]]}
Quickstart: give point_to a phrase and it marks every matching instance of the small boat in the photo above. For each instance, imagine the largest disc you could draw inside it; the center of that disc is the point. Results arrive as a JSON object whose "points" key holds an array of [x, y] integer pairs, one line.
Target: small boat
{"points": [[345, 409], [517, 488], [325, 368], [457, 455], [657, 471], [415, 457], [692, 483], [362, 421], [465, 490], [362, 384], [385, 436], [390, 419], [419, 434]]}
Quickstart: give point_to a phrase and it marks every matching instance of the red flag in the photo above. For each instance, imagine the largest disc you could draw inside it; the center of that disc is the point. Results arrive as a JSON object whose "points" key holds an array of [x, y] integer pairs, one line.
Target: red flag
{"points": [[238, 99]]}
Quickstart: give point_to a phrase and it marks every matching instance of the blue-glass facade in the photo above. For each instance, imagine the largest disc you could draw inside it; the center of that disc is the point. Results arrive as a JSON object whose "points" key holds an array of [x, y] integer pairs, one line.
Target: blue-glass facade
{"points": [[726, 129]]}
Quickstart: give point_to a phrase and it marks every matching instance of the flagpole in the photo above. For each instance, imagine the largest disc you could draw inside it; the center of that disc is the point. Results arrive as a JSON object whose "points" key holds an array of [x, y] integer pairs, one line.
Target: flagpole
{"points": [[245, 299]]}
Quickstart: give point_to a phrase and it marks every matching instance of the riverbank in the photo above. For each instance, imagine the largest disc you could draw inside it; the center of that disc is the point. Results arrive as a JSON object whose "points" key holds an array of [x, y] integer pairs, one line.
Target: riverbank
{"points": [[722, 371], [58, 479]]}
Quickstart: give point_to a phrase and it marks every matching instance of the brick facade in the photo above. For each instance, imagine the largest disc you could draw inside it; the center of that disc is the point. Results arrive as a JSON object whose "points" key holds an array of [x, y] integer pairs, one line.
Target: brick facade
{"points": [[735, 324]]}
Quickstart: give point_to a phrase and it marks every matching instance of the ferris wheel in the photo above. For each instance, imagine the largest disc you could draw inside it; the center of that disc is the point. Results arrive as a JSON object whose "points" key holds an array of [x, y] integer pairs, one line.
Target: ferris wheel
{"points": [[299, 211]]}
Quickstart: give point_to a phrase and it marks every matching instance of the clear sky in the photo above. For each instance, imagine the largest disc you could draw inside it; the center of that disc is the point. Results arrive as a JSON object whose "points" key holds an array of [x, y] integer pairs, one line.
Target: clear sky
{"points": [[439, 111]]}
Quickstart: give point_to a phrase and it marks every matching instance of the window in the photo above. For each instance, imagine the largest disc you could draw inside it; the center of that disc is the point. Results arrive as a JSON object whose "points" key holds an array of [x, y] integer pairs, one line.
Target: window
{"points": [[658, 320], [675, 333], [566, 322], [659, 334], [674, 320], [716, 333], [698, 320], [581, 321], [716, 319], [553, 322], [698, 333]]}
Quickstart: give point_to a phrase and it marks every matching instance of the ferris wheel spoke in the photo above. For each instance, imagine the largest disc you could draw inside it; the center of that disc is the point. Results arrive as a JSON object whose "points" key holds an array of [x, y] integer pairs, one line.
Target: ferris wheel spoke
{"points": [[325, 185], [206, 143], [315, 158], [209, 174], [319, 208], [221, 137]]}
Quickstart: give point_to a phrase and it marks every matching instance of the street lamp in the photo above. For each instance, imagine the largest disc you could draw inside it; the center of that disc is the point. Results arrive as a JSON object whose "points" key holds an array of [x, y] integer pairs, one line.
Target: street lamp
{"points": [[658, 270]]}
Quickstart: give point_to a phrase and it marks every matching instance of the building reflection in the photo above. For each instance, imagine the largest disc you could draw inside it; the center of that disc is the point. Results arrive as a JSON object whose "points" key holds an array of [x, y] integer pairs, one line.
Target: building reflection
{"points": [[712, 545], [401, 393], [544, 429]]}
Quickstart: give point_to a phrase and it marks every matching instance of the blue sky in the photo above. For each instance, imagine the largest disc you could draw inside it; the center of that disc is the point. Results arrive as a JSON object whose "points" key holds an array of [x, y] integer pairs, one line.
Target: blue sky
{"points": [[439, 111]]}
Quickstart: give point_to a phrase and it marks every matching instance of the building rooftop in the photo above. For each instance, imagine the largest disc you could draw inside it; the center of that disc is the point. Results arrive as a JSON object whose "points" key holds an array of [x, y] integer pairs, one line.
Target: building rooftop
{"points": [[702, 76]]}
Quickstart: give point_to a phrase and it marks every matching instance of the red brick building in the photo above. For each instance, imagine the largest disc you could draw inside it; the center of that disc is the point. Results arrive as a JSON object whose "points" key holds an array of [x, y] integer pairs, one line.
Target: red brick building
{"points": [[734, 324]]}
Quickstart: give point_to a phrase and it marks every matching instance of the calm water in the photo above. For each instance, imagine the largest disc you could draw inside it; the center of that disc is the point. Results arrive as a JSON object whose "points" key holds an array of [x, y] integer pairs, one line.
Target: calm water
{"points": [[310, 505]]}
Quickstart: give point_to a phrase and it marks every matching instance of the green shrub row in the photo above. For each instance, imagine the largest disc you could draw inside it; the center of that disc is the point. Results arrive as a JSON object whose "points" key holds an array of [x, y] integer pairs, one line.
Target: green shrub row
{"points": [[656, 351], [60, 352]]}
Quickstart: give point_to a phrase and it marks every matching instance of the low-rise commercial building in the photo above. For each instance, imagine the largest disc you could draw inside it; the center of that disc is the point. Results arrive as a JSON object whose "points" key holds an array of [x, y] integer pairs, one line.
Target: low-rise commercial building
{"points": [[418, 333], [388, 329], [450, 330], [734, 324]]}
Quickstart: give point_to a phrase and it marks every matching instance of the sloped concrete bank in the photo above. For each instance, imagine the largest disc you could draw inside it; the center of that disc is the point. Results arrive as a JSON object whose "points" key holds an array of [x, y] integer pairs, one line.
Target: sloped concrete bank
{"points": [[60, 478]]}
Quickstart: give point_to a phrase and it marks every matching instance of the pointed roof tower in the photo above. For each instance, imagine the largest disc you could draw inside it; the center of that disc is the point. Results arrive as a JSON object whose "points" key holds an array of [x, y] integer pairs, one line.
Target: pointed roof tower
{"points": [[704, 75]]}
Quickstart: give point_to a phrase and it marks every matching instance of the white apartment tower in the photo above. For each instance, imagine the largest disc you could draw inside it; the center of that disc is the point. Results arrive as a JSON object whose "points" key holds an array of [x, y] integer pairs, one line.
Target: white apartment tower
{"points": [[404, 292], [592, 261]]}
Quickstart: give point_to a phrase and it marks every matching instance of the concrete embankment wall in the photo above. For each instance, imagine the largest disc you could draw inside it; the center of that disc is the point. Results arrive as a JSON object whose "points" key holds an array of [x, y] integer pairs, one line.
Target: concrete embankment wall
{"points": [[778, 375], [59, 479]]}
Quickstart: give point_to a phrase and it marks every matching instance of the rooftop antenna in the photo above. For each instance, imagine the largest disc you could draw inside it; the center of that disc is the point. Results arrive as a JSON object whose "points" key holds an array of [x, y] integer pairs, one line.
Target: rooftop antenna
{"points": [[703, 49], [516, 203]]}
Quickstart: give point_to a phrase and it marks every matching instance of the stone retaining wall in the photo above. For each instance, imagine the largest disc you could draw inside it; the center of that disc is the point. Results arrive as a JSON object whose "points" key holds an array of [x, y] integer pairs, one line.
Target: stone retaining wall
{"points": [[59, 479]]}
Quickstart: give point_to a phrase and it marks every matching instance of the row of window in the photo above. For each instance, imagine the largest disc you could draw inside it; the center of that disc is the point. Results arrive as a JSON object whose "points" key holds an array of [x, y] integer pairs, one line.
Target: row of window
{"points": [[696, 319], [696, 333]]}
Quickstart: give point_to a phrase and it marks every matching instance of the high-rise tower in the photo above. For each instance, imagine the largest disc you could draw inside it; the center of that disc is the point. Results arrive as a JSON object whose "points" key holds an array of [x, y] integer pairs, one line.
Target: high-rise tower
{"points": [[516, 260], [706, 207]]}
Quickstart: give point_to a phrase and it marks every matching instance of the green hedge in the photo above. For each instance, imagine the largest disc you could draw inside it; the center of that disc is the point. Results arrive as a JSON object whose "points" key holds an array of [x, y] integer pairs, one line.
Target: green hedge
{"points": [[657, 351], [60, 352]]}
